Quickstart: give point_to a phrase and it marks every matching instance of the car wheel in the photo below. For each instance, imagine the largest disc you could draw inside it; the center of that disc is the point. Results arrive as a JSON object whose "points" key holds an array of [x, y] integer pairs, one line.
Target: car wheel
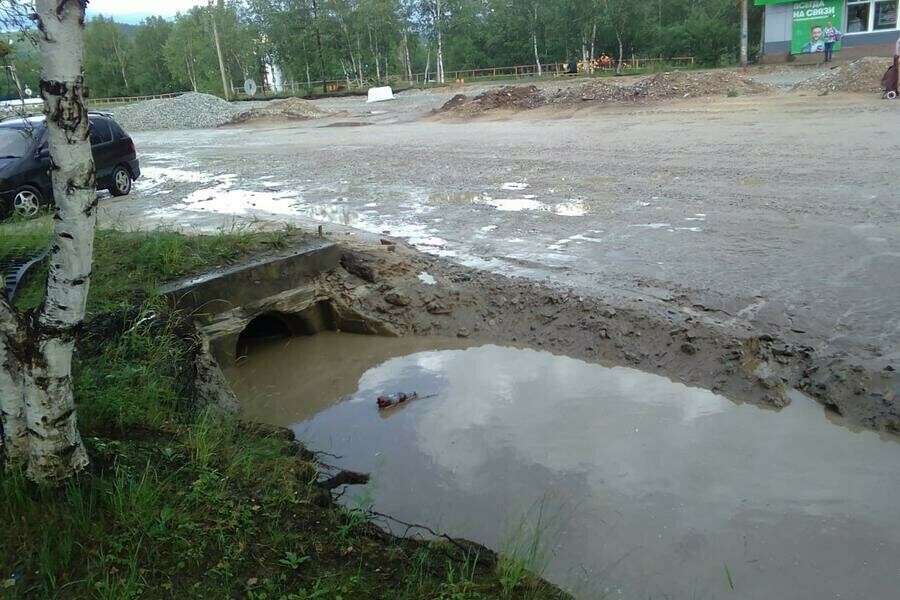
{"points": [[27, 202], [121, 182]]}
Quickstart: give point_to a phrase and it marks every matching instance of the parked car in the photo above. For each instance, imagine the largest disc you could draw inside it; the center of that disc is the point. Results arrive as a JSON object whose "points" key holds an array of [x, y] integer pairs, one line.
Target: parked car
{"points": [[25, 162]]}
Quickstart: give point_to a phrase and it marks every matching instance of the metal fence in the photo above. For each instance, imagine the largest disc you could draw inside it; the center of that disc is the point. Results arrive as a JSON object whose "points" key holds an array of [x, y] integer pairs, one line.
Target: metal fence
{"points": [[97, 102]]}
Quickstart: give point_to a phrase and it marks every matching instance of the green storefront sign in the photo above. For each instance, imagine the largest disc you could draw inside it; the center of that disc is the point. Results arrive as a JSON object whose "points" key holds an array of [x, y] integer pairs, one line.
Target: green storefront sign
{"points": [[810, 21]]}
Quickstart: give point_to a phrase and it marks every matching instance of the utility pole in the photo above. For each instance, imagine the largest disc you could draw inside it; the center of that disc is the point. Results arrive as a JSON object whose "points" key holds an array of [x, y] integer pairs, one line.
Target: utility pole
{"points": [[215, 12], [745, 33]]}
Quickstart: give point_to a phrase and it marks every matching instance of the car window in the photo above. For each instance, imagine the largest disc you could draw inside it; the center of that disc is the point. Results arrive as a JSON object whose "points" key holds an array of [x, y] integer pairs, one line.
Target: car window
{"points": [[118, 132], [15, 142], [100, 133]]}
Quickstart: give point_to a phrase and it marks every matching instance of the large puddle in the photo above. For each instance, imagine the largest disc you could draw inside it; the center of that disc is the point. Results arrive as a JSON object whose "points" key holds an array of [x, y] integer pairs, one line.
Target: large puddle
{"points": [[636, 487]]}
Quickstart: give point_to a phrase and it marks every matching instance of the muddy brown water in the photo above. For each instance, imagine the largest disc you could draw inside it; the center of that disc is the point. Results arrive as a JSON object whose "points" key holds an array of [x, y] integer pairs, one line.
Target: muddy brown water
{"points": [[635, 486]]}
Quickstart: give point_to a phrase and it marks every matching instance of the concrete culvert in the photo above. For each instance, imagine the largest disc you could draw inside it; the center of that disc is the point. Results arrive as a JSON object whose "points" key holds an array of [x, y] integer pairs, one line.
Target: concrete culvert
{"points": [[264, 328]]}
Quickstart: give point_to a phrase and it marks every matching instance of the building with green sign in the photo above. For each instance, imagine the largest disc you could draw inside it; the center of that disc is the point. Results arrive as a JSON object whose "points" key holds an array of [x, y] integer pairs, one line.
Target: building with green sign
{"points": [[800, 30]]}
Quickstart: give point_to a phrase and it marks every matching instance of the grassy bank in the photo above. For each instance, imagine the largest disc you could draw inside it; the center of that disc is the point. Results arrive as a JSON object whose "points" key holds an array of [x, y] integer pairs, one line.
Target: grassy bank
{"points": [[180, 502]]}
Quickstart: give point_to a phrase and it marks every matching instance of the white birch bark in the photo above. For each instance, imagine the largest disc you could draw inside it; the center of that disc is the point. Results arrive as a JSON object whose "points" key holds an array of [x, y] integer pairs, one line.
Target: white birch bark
{"points": [[13, 432], [409, 73], [55, 450], [440, 43], [537, 56]]}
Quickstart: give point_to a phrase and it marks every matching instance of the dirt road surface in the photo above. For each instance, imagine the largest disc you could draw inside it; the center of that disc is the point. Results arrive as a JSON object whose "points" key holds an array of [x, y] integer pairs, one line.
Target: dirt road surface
{"points": [[777, 213]]}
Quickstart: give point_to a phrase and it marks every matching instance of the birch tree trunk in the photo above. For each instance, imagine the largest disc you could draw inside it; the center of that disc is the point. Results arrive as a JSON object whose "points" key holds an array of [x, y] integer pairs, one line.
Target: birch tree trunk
{"points": [[621, 50], [36, 356], [537, 56], [440, 43], [409, 73]]}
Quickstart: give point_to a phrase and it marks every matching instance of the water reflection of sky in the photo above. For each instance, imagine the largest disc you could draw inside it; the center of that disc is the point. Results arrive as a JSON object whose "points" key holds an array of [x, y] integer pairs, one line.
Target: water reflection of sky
{"points": [[633, 464]]}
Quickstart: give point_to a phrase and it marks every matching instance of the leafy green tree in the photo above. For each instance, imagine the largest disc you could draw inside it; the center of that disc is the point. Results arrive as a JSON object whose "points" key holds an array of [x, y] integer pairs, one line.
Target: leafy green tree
{"points": [[150, 74], [107, 58]]}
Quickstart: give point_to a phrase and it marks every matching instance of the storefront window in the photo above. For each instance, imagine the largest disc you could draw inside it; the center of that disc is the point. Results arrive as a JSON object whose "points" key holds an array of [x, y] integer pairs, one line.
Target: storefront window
{"points": [[869, 15], [886, 14], [858, 16]]}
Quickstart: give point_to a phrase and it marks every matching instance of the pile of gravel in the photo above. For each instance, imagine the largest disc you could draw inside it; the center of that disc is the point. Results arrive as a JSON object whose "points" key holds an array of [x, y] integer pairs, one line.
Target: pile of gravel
{"points": [[861, 75], [290, 109], [188, 111], [678, 84]]}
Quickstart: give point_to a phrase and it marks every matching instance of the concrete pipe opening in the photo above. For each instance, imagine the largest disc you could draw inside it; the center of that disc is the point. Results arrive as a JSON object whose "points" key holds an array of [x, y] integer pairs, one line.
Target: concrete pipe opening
{"points": [[262, 329]]}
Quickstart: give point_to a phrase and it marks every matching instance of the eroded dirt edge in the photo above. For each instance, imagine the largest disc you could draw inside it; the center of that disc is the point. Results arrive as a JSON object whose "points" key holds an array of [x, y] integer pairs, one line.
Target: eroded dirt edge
{"points": [[382, 285]]}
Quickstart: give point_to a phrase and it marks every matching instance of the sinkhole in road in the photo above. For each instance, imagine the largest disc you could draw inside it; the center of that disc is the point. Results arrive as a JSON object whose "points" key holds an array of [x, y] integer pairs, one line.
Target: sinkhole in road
{"points": [[631, 485]]}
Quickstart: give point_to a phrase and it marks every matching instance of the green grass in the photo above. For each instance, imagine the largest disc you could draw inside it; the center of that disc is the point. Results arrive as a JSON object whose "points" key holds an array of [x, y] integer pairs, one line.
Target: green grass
{"points": [[23, 237], [180, 501]]}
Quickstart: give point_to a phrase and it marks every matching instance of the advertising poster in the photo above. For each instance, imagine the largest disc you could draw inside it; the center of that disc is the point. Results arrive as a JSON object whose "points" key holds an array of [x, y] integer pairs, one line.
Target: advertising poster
{"points": [[811, 18]]}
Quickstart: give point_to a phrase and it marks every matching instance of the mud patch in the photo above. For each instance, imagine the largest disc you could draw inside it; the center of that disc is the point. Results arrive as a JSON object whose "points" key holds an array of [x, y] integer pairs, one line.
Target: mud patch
{"points": [[682, 343]]}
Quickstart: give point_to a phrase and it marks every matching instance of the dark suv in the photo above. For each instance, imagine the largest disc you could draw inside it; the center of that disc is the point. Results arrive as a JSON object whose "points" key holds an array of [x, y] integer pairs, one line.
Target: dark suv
{"points": [[25, 161]]}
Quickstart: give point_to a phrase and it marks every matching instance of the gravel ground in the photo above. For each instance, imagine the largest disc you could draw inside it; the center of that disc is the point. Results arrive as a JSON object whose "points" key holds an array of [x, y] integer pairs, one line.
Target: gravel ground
{"points": [[188, 111]]}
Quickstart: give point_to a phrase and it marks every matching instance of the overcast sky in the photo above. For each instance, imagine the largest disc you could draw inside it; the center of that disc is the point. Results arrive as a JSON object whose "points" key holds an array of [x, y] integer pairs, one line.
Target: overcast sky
{"points": [[133, 8]]}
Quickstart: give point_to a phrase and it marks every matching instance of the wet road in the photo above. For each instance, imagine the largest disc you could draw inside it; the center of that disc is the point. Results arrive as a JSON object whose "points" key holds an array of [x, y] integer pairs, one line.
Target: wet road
{"points": [[781, 212]]}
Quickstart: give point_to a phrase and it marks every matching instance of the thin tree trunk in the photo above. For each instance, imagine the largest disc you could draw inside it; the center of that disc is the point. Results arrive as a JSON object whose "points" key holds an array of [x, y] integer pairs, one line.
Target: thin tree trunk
{"points": [[745, 37], [346, 73], [409, 73], [537, 56], [319, 45], [428, 64], [122, 60], [593, 48], [373, 48], [621, 50], [36, 359], [360, 74], [440, 43]]}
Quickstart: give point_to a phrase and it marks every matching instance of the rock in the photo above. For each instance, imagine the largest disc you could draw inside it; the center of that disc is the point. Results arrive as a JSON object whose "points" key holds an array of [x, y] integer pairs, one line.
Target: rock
{"points": [[437, 308], [608, 313], [689, 348], [771, 382], [355, 264], [777, 399], [397, 299], [462, 333]]}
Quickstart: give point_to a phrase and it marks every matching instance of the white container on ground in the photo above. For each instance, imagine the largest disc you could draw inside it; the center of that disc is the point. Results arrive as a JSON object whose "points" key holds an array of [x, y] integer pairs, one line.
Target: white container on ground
{"points": [[380, 94]]}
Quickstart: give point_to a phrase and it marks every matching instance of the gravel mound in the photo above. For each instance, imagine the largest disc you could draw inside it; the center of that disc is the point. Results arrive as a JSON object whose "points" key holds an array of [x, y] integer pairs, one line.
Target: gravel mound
{"points": [[508, 98], [861, 75], [188, 111], [661, 86], [665, 86], [290, 109]]}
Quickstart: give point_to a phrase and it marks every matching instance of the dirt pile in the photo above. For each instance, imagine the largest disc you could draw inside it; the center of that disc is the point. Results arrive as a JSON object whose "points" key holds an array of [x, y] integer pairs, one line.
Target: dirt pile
{"points": [[861, 75], [290, 109], [664, 86], [505, 98]]}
